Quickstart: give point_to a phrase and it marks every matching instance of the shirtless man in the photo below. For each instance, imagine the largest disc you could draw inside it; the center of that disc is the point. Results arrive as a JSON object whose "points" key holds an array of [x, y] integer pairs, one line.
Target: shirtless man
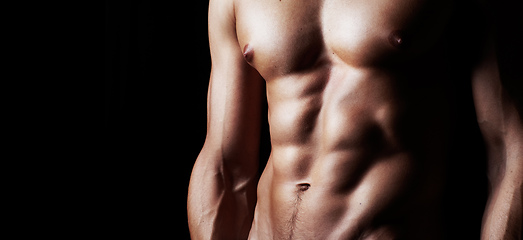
{"points": [[360, 99]]}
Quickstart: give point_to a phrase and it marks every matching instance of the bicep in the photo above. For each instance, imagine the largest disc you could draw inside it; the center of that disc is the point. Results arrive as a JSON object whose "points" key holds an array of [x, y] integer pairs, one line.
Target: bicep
{"points": [[235, 90]]}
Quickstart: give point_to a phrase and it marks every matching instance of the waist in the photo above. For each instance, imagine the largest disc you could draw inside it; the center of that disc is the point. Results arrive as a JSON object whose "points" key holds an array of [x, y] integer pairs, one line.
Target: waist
{"points": [[345, 194]]}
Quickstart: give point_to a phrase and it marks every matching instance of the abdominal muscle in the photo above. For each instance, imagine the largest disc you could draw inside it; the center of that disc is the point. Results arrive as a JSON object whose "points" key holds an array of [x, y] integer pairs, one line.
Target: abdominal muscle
{"points": [[339, 168], [323, 208]]}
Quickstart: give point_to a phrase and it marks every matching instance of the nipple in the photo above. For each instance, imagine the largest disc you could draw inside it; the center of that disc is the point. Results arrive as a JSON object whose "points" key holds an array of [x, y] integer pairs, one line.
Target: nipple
{"points": [[248, 53], [398, 39]]}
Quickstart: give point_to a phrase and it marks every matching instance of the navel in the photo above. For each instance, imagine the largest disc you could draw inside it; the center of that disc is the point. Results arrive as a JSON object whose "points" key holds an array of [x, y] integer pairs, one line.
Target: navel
{"points": [[302, 187], [248, 53], [398, 39]]}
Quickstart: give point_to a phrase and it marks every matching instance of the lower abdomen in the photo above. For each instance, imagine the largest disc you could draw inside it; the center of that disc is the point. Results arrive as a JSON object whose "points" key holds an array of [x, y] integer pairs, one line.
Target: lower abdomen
{"points": [[343, 196]]}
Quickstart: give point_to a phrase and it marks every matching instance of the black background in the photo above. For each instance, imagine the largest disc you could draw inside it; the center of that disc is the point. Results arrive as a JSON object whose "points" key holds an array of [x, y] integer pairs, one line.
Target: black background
{"points": [[157, 66]]}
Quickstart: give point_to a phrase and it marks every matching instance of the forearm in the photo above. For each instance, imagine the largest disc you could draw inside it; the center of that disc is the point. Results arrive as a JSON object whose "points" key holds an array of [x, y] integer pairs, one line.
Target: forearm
{"points": [[504, 212], [220, 202], [503, 218]]}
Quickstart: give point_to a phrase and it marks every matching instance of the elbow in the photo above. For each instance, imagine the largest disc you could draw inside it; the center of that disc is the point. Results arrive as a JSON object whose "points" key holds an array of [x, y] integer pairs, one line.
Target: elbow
{"points": [[235, 169], [505, 164]]}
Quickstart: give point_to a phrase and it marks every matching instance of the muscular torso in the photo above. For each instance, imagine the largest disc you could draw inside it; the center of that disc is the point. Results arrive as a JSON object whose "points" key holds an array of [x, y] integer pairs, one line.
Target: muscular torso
{"points": [[358, 97]]}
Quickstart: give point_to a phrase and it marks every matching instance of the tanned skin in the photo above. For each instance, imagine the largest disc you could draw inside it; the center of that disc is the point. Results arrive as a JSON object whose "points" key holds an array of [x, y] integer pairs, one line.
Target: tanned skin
{"points": [[360, 113]]}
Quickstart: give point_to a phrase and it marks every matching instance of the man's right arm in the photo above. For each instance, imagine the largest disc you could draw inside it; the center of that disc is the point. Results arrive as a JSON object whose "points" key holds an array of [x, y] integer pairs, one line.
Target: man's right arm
{"points": [[222, 189]]}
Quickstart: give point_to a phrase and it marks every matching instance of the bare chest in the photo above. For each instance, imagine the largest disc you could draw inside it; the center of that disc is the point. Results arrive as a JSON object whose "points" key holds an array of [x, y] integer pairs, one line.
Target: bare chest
{"points": [[285, 36]]}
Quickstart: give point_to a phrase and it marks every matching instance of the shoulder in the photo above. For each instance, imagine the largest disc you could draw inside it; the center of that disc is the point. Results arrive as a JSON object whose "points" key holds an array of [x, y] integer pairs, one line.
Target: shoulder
{"points": [[221, 10], [221, 19]]}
